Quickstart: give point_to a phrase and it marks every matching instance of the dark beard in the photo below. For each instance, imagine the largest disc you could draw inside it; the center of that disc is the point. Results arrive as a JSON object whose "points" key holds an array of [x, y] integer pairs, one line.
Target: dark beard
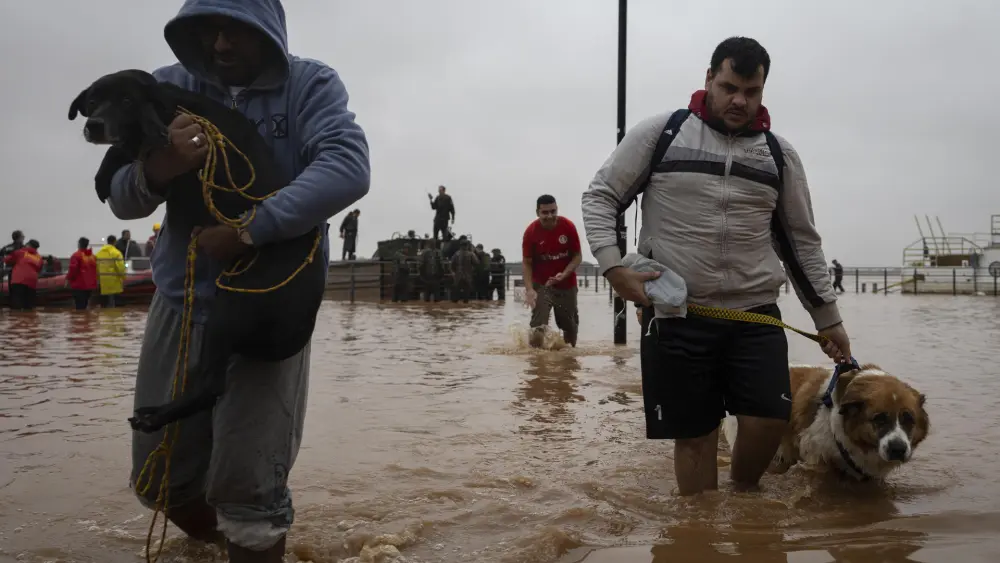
{"points": [[719, 123]]}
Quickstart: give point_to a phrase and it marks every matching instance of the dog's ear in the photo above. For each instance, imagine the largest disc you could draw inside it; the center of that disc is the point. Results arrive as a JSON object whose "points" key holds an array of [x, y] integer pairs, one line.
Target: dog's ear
{"points": [[847, 409], [79, 105], [842, 382]]}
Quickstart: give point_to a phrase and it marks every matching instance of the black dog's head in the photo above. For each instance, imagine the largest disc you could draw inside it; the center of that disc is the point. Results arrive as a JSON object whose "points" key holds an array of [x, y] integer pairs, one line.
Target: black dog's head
{"points": [[125, 109]]}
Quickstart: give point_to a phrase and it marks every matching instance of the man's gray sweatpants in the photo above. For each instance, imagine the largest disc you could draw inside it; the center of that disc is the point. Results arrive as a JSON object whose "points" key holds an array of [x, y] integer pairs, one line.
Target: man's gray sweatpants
{"points": [[236, 456]]}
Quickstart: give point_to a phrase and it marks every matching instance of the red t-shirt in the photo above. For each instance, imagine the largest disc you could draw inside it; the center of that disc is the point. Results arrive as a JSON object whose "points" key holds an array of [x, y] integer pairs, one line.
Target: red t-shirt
{"points": [[551, 251]]}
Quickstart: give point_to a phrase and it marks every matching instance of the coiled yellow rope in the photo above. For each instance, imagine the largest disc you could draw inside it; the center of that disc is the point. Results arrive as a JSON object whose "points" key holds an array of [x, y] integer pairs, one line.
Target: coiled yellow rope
{"points": [[217, 143]]}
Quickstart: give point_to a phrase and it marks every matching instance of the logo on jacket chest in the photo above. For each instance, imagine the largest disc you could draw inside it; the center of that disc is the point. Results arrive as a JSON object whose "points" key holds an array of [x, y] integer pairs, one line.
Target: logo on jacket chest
{"points": [[275, 125], [759, 152]]}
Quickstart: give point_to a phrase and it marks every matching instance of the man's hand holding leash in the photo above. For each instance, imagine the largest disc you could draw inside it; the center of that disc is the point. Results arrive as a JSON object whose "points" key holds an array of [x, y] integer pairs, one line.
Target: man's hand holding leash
{"points": [[837, 345]]}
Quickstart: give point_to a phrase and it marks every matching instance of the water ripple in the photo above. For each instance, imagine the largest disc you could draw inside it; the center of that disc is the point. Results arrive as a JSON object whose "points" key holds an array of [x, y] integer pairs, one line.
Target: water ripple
{"points": [[432, 429]]}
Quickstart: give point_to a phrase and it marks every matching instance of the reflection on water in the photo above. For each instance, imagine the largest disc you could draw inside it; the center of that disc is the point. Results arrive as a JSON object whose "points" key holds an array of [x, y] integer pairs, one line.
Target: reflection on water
{"points": [[548, 386], [434, 432]]}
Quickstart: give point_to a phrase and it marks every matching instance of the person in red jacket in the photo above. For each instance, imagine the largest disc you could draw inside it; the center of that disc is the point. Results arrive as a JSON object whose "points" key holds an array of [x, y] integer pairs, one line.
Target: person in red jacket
{"points": [[82, 275], [24, 279]]}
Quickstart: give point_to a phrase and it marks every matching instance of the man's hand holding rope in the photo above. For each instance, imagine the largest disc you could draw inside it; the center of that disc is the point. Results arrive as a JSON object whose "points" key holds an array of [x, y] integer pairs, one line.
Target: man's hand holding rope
{"points": [[220, 242], [186, 148]]}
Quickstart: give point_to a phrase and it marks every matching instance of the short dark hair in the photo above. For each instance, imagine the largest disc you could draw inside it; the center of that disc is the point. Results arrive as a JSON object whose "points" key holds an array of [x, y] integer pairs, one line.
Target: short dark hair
{"points": [[33, 244], [747, 54], [16, 235], [111, 239], [544, 199], [84, 242], [125, 231]]}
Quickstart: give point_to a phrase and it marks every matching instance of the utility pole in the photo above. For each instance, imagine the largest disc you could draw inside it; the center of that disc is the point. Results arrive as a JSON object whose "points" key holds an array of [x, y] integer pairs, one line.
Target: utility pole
{"points": [[620, 229]]}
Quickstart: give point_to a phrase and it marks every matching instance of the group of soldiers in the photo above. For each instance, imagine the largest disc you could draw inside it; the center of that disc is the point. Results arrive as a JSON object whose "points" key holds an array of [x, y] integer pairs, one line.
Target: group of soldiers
{"points": [[475, 274]]}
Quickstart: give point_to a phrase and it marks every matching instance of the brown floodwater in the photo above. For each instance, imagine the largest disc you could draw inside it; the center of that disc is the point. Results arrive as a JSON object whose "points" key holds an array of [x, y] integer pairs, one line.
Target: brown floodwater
{"points": [[433, 430]]}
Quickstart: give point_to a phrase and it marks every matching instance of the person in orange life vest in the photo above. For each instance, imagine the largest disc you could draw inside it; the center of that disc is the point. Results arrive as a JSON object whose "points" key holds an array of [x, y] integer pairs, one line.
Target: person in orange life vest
{"points": [[550, 255], [24, 279], [82, 275]]}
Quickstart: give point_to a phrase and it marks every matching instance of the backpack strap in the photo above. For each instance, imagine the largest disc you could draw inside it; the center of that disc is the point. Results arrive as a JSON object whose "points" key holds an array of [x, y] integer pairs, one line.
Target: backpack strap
{"points": [[659, 151], [662, 144], [779, 159]]}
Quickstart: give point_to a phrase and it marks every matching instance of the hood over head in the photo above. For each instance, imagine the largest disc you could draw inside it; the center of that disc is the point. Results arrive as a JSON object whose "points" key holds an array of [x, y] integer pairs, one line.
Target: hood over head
{"points": [[268, 16]]}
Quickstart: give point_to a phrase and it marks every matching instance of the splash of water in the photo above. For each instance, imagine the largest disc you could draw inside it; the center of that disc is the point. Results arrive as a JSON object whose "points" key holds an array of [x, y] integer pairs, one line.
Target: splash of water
{"points": [[545, 337]]}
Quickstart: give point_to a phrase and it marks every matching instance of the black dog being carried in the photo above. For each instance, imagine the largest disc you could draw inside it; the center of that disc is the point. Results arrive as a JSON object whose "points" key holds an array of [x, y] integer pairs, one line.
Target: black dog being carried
{"points": [[266, 303]]}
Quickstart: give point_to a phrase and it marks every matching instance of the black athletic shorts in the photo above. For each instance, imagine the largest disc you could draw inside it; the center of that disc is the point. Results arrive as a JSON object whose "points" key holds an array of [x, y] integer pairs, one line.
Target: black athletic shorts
{"points": [[696, 369]]}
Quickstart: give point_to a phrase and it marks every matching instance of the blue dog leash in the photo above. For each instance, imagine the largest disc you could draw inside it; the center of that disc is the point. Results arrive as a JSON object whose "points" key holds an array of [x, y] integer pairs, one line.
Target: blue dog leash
{"points": [[841, 368]]}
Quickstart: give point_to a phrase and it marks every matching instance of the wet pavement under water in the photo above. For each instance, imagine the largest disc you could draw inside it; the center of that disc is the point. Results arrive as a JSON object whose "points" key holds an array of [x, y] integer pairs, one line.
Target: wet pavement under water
{"points": [[434, 429]]}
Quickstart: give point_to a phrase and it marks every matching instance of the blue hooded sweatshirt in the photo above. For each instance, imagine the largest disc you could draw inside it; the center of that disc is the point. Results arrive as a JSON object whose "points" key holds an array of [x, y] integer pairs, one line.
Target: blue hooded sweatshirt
{"points": [[300, 106]]}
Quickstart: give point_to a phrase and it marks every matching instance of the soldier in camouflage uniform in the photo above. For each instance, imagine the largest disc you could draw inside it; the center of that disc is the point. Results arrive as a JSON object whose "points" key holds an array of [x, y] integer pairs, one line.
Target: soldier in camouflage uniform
{"points": [[463, 268], [498, 273], [431, 270], [481, 277], [401, 274]]}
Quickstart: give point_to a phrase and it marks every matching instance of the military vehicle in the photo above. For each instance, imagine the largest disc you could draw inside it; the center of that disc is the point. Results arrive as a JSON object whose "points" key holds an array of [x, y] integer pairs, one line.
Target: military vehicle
{"points": [[386, 252]]}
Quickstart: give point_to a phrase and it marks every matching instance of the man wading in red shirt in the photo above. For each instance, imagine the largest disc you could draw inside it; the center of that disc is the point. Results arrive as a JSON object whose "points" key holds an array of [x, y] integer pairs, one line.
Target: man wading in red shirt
{"points": [[551, 253]]}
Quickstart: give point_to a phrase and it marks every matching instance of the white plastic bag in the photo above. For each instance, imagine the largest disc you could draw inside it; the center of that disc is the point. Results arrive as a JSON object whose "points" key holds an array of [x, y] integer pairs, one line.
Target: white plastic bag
{"points": [[667, 292]]}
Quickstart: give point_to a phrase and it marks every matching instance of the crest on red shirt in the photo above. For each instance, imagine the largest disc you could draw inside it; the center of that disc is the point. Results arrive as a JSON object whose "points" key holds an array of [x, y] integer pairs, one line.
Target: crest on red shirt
{"points": [[563, 239]]}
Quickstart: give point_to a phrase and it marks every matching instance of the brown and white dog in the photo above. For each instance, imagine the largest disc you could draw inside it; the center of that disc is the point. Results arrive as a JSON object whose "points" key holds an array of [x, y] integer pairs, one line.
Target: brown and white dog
{"points": [[869, 426]]}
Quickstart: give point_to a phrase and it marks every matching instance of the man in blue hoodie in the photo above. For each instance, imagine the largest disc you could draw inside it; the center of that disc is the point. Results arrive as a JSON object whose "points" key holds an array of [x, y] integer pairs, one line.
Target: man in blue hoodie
{"points": [[230, 466]]}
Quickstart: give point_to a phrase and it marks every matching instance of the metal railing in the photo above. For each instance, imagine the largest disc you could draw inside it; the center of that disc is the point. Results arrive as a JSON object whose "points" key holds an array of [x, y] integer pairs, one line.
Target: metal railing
{"points": [[372, 280], [927, 281]]}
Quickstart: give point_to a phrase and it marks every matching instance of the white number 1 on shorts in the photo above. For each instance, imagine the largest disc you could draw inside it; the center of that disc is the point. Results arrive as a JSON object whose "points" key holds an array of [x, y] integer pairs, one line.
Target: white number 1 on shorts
{"points": [[659, 412]]}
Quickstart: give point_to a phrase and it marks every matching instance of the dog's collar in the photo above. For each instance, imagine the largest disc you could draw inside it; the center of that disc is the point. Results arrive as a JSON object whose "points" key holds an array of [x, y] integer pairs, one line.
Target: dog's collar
{"points": [[846, 456], [828, 403], [828, 396]]}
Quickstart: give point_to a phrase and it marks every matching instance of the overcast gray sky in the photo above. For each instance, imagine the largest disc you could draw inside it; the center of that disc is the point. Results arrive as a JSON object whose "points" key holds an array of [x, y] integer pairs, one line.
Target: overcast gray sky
{"points": [[892, 105]]}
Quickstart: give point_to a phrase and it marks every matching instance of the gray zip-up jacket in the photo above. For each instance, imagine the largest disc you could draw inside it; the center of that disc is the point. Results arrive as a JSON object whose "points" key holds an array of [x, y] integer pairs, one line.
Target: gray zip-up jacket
{"points": [[712, 213]]}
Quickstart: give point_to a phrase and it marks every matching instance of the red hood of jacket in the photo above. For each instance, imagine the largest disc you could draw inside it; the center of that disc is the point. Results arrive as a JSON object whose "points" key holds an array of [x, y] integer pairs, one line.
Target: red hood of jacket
{"points": [[761, 122]]}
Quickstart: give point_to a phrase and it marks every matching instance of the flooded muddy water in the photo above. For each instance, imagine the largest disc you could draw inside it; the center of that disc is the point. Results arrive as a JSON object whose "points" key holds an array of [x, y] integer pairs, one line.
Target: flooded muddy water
{"points": [[433, 429]]}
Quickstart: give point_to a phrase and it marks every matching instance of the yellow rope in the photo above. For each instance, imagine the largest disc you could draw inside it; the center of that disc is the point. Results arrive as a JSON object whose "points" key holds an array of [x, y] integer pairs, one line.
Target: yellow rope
{"points": [[217, 143], [748, 317]]}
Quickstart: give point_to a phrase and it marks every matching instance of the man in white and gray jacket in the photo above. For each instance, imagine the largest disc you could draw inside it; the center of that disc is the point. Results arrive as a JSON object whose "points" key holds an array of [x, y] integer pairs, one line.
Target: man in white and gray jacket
{"points": [[724, 212]]}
